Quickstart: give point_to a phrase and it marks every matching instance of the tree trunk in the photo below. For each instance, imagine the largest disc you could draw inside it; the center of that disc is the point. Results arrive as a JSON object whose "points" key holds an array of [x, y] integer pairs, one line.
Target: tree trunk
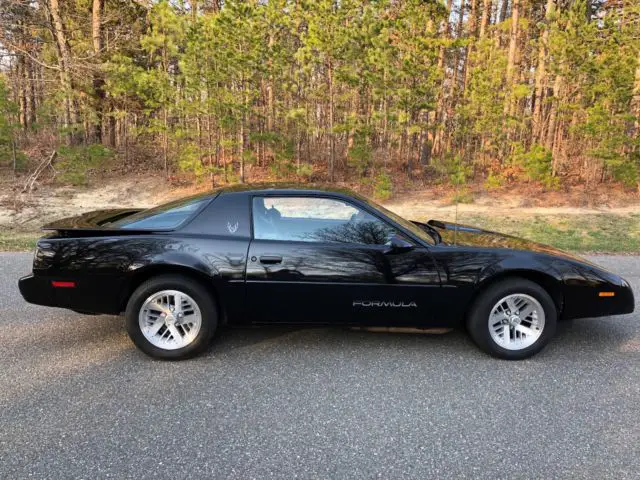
{"points": [[270, 86], [503, 11], [541, 75], [64, 63], [635, 101], [472, 40], [486, 16], [511, 59], [21, 91], [446, 29], [332, 142], [459, 31], [241, 149], [553, 114], [165, 142], [441, 102], [30, 93], [98, 81]]}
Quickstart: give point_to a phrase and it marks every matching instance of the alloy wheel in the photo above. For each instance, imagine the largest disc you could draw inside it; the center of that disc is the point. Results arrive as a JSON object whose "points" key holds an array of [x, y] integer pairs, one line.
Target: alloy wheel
{"points": [[170, 319], [516, 321]]}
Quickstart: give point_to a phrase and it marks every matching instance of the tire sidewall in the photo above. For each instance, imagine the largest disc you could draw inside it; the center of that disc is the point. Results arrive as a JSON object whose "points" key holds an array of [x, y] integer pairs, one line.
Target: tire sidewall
{"points": [[478, 323], [183, 284]]}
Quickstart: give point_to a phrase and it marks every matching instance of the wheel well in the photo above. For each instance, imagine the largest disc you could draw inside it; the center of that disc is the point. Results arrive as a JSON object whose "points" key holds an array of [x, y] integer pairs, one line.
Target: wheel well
{"points": [[155, 271], [550, 284]]}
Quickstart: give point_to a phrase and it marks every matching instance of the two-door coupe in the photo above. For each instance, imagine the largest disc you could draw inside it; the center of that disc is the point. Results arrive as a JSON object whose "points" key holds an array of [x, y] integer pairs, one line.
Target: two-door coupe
{"points": [[293, 254]]}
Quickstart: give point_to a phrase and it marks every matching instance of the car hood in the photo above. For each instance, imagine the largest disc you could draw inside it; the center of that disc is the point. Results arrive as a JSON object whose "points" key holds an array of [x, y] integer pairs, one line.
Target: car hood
{"points": [[455, 234]]}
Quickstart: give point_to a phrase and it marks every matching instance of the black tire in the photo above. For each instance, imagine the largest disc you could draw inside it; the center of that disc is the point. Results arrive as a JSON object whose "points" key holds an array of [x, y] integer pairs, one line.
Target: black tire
{"points": [[478, 317], [196, 291]]}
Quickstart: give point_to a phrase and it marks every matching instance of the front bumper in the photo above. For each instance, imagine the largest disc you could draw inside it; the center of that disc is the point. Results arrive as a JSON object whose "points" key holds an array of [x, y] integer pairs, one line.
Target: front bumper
{"points": [[586, 302]]}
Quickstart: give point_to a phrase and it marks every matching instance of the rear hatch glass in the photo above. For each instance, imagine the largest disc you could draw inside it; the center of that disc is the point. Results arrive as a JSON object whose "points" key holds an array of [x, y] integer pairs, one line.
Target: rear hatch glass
{"points": [[163, 217]]}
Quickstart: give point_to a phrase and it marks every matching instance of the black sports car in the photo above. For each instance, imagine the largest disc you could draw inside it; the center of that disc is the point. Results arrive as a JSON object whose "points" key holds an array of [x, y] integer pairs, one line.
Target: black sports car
{"points": [[291, 254]]}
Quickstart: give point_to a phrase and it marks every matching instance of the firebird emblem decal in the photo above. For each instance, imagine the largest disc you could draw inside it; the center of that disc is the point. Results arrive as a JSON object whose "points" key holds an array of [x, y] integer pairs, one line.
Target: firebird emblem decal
{"points": [[378, 303], [232, 228]]}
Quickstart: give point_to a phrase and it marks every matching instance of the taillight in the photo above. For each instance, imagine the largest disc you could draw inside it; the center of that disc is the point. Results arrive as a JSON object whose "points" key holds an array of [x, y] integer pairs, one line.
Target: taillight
{"points": [[44, 255]]}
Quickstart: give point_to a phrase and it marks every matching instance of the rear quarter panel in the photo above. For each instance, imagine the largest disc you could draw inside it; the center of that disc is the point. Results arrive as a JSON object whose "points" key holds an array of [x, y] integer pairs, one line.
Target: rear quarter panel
{"points": [[106, 269]]}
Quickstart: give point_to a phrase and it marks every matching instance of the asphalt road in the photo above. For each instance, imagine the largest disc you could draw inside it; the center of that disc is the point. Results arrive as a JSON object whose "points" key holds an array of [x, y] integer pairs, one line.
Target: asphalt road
{"points": [[77, 400]]}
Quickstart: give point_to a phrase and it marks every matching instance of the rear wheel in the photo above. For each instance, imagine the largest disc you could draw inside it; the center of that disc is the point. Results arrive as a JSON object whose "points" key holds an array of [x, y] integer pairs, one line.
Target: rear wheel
{"points": [[171, 317], [513, 319]]}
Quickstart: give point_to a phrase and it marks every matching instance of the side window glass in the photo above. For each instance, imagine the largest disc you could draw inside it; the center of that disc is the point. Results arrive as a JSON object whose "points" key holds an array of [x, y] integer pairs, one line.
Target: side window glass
{"points": [[309, 219]]}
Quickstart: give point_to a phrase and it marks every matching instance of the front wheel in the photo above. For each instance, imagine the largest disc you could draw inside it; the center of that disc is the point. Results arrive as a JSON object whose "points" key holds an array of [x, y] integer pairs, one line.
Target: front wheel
{"points": [[171, 317], [513, 319]]}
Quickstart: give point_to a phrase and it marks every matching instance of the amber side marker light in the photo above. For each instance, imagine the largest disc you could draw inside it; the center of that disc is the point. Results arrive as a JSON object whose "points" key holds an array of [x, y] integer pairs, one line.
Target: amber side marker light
{"points": [[58, 284], [606, 294]]}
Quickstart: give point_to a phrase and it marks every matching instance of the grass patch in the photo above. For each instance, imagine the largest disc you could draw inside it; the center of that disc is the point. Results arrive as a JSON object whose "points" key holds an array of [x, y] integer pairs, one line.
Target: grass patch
{"points": [[603, 233], [18, 241]]}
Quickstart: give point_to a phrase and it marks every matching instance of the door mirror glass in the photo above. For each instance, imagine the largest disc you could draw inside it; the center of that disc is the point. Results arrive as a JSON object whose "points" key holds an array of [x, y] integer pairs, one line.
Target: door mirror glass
{"points": [[397, 244]]}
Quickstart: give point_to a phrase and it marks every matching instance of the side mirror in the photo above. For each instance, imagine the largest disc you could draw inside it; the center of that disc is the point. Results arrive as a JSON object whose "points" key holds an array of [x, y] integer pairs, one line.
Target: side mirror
{"points": [[397, 244]]}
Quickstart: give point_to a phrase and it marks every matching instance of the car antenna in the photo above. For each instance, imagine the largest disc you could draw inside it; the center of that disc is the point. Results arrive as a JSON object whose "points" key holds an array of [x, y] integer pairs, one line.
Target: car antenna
{"points": [[455, 222], [455, 228]]}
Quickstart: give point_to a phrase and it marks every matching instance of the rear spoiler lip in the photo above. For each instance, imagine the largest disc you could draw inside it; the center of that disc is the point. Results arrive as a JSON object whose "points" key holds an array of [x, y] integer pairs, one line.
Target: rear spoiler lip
{"points": [[110, 231], [90, 221]]}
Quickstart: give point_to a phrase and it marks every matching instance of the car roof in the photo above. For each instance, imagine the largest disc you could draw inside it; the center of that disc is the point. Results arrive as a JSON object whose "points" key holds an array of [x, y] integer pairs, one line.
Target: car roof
{"points": [[287, 188]]}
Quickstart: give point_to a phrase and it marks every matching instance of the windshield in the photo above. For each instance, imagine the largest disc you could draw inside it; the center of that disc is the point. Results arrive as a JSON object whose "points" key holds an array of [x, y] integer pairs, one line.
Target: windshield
{"points": [[163, 217]]}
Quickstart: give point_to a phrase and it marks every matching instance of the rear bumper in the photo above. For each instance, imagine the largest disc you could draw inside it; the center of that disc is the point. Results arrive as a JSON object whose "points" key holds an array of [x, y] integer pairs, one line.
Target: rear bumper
{"points": [[88, 295], [37, 290]]}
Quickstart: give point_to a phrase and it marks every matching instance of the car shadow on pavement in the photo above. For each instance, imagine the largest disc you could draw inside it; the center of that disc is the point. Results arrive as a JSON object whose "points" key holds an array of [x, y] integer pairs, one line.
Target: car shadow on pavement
{"points": [[588, 335], [74, 330], [337, 339]]}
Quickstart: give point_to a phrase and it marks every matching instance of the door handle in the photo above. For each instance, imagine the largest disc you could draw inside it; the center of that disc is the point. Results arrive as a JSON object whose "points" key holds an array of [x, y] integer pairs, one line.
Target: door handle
{"points": [[236, 260], [270, 259]]}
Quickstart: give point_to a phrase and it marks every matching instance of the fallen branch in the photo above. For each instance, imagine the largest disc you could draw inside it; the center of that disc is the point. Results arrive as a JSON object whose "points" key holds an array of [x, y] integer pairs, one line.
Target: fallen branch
{"points": [[31, 181]]}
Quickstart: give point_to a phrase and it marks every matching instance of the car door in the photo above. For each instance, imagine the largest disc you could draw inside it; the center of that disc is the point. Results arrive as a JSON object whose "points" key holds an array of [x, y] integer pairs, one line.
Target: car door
{"points": [[327, 260]]}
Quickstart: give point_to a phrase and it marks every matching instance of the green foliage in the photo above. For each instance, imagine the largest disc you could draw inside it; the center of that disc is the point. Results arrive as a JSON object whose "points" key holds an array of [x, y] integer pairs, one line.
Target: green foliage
{"points": [[191, 160], [462, 195], [362, 86], [21, 161], [493, 181], [305, 170], [75, 162], [282, 170], [613, 147], [537, 163], [623, 168], [382, 186], [459, 172], [359, 155], [8, 110]]}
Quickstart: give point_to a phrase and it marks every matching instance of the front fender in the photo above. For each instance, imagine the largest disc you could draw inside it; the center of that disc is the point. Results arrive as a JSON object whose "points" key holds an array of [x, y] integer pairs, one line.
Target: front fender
{"points": [[519, 266]]}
